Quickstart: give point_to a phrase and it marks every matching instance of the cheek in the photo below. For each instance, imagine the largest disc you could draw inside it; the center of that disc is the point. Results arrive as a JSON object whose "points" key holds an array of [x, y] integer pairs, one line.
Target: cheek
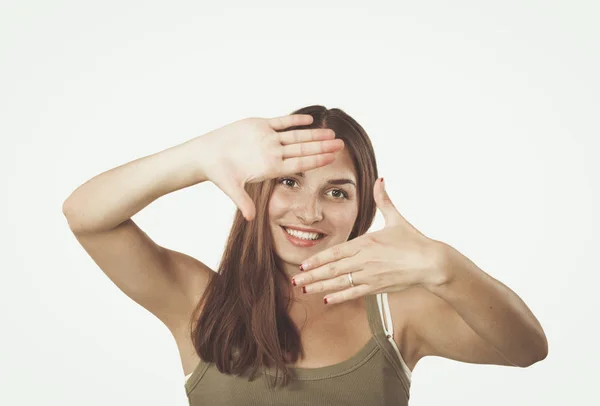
{"points": [[279, 204], [344, 218]]}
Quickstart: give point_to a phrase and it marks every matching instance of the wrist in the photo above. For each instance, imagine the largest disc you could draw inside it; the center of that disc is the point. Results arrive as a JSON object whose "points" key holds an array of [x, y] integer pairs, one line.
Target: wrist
{"points": [[197, 157], [440, 271]]}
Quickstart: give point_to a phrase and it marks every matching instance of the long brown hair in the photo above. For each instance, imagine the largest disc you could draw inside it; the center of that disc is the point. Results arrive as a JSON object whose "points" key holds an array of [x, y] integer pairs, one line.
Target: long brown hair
{"points": [[244, 322]]}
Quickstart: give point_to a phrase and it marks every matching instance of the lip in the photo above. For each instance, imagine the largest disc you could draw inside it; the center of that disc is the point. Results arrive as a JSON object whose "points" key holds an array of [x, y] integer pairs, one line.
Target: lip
{"points": [[308, 230], [299, 242]]}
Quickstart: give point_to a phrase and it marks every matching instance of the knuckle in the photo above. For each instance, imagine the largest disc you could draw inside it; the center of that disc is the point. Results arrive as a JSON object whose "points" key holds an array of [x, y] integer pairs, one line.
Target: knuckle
{"points": [[379, 280], [370, 262], [371, 239]]}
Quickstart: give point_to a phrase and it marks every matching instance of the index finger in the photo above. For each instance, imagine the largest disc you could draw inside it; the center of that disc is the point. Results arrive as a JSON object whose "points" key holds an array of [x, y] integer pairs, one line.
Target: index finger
{"points": [[305, 135], [331, 254], [282, 122]]}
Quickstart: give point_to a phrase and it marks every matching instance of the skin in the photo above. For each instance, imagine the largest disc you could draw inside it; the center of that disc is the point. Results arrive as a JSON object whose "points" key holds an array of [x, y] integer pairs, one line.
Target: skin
{"points": [[310, 201]]}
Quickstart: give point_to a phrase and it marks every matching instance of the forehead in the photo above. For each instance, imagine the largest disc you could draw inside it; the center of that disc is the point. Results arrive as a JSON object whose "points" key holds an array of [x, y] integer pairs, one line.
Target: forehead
{"points": [[341, 167]]}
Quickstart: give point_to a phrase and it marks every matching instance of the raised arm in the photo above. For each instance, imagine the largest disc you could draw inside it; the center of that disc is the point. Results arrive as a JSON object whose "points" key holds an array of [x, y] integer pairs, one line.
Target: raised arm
{"points": [[168, 283], [165, 282]]}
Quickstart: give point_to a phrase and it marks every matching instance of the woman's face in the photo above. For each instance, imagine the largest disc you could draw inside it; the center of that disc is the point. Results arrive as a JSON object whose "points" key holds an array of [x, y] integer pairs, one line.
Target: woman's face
{"points": [[324, 199]]}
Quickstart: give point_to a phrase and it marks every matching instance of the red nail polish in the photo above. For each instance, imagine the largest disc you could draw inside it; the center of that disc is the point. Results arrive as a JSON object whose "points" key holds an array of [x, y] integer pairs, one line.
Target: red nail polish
{"points": [[302, 269], [303, 289], [325, 300], [294, 281], [381, 180]]}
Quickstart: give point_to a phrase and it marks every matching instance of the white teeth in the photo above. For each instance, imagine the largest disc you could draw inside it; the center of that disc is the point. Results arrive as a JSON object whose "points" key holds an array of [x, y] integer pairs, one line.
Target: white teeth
{"points": [[303, 235]]}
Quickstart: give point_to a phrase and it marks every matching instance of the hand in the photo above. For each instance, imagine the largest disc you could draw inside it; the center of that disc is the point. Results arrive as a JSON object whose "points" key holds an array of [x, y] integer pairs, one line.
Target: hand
{"points": [[388, 260], [251, 150]]}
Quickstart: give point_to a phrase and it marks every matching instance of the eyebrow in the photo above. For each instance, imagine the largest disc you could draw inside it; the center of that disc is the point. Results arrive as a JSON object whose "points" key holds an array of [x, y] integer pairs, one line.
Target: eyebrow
{"points": [[332, 181]]}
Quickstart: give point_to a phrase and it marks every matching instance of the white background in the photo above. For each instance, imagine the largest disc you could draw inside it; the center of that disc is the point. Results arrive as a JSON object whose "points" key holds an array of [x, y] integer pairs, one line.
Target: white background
{"points": [[484, 118]]}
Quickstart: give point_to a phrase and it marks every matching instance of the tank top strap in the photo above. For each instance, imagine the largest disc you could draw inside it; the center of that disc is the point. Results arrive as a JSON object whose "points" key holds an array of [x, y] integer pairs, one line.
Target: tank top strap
{"points": [[380, 322]]}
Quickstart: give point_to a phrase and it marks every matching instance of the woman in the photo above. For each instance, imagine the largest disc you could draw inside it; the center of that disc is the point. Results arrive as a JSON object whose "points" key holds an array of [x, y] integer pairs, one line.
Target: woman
{"points": [[304, 297]]}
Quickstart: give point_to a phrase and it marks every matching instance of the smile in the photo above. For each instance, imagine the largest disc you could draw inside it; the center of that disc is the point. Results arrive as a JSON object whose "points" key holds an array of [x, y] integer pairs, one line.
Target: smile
{"points": [[299, 241]]}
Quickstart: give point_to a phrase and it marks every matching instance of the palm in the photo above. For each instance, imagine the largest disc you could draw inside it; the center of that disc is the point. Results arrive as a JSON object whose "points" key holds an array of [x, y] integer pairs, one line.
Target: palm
{"points": [[253, 151]]}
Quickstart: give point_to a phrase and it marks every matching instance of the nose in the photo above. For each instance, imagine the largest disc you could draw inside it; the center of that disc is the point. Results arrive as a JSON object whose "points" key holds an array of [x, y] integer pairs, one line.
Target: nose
{"points": [[309, 210]]}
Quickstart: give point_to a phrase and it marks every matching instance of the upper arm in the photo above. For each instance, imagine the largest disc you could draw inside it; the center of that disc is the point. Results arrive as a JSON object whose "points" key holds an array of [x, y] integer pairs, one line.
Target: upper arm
{"points": [[165, 282], [440, 331]]}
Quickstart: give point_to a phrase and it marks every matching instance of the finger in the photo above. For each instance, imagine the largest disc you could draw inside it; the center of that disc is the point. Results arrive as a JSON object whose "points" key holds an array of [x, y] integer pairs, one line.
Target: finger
{"points": [[328, 271], [309, 134], [241, 199], [312, 148], [301, 164], [347, 294], [291, 120], [335, 253], [335, 284]]}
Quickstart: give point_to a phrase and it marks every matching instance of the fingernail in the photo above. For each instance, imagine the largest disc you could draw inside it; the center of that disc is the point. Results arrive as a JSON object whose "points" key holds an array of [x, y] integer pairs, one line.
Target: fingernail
{"points": [[294, 281], [303, 289], [325, 300], [381, 180], [301, 268]]}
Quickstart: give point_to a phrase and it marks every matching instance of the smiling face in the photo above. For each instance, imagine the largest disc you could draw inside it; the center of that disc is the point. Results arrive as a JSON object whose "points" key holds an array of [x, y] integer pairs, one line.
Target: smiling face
{"points": [[321, 199]]}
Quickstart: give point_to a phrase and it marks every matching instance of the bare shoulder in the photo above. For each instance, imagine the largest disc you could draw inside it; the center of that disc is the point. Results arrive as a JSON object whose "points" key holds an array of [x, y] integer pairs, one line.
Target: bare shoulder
{"points": [[194, 273], [404, 306], [167, 283], [194, 276]]}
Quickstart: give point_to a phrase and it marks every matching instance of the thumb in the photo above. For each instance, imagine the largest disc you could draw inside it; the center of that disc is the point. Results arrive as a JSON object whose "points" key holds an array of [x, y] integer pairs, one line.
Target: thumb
{"points": [[242, 200], [384, 203]]}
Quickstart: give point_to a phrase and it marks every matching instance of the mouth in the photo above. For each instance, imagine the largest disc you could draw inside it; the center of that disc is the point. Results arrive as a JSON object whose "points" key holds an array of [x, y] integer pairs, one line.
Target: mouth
{"points": [[302, 242]]}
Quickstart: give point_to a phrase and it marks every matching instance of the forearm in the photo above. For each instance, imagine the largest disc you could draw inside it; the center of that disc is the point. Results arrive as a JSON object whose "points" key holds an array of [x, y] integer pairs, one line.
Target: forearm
{"points": [[114, 196], [491, 309]]}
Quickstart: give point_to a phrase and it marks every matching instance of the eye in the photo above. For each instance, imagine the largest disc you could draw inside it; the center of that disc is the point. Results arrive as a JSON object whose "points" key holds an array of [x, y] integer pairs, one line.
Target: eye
{"points": [[340, 191], [344, 194], [288, 179]]}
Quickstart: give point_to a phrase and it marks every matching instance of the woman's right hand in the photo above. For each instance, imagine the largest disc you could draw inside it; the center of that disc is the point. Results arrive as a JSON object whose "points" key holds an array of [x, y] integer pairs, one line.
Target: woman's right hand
{"points": [[251, 150]]}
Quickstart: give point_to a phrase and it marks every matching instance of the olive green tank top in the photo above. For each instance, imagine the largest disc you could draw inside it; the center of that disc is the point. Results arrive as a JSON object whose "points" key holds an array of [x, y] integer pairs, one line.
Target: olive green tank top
{"points": [[375, 375]]}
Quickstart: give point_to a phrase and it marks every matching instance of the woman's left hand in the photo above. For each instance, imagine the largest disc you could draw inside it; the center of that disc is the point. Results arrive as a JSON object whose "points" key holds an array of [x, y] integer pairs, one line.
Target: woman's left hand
{"points": [[388, 260]]}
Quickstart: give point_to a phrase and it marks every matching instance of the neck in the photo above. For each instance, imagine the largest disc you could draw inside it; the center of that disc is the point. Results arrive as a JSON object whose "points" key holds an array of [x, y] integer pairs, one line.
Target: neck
{"points": [[305, 307]]}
